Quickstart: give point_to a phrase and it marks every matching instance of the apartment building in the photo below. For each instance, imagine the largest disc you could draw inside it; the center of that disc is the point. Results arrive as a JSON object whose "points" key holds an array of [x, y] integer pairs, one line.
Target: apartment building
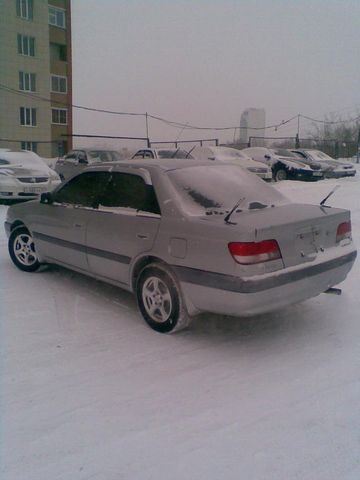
{"points": [[35, 76]]}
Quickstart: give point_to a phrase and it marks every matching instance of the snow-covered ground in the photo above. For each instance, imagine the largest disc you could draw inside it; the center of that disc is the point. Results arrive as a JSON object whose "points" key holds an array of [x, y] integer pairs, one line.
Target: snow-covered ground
{"points": [[89, 392]]}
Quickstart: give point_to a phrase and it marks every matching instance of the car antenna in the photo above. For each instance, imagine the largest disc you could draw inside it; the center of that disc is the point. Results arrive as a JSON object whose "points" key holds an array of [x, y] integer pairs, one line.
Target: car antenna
{"points": [[329, 195], [227, 218]]}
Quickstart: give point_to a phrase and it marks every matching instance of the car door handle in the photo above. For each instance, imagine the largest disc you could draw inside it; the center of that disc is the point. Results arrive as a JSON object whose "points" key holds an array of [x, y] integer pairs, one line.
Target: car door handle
{"points": [[141, 236], [78, 225]]}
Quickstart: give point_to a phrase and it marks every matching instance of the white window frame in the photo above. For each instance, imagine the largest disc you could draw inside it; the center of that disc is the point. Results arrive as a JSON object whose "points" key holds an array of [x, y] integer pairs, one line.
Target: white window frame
{"points": [[59, 110], [29, 114], [31, 146], [25, 42], [58, 78], [24, 9], [53, 17], [26, 81]]}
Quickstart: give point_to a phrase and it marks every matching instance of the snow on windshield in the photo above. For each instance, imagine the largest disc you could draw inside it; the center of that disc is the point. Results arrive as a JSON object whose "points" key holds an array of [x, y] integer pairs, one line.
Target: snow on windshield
{"points": [[282, 152], [174, 154], [320, 155], [22, 158], [230, 152], [216, 189]]}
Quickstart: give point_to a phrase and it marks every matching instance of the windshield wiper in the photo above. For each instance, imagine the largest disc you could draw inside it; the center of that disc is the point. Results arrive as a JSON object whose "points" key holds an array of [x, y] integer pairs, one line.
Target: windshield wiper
{"points": [[227, 218], [329, 195]]}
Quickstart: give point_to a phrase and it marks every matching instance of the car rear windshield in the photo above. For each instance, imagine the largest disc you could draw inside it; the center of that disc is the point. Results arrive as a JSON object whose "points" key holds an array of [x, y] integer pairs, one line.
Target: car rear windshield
{"points": [[204, 190], [173, 154]]}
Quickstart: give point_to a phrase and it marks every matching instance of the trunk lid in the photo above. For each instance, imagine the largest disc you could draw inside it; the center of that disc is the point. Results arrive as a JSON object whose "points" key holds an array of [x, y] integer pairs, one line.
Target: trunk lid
{"points": [[302, 231]]}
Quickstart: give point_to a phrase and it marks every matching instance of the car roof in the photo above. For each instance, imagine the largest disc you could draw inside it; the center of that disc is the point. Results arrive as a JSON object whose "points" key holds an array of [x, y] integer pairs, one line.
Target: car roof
{"points": [[161, 163]]}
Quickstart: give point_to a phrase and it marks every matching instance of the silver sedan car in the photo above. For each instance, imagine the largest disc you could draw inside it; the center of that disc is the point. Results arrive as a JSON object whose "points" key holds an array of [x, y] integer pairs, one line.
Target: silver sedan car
{"points": [[185, 237]]}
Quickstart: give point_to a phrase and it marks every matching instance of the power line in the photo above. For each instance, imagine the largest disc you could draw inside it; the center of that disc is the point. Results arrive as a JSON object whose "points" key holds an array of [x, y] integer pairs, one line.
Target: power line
{"points": [[57, 102], [183, 126]]}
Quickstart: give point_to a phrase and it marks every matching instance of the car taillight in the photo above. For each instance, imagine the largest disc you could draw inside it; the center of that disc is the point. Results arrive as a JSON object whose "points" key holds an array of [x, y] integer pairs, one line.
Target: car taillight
{"points": [[343, 231], [248, 253]]}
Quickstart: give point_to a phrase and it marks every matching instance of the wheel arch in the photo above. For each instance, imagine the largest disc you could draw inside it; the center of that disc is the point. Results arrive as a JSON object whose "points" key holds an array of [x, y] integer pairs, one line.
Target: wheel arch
{"points": [[140, 264], [17, 224]]}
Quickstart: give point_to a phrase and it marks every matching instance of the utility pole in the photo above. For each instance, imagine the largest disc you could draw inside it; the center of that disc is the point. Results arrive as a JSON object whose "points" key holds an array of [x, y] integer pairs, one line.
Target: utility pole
{"points": [[147, 130], [297, 138], [358, 148]]}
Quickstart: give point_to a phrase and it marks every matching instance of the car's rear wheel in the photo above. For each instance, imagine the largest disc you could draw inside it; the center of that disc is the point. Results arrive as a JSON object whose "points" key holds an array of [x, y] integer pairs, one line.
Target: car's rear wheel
{"points": [[280, 175], [22, 250], [160, 300]]}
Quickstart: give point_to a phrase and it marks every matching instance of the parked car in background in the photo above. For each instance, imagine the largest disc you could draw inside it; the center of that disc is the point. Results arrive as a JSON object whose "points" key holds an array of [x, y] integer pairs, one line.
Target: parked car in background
{"points": [[24, 175], [162, 153], [76, 160], [185, 237], [332, 168], [284, 164], [232, 155]]}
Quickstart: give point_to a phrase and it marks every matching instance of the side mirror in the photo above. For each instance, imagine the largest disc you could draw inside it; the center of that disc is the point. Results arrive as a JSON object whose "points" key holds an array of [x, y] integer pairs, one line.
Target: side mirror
{"points": [[82, 161], [46, 198], [267, 157], [211, 158]]}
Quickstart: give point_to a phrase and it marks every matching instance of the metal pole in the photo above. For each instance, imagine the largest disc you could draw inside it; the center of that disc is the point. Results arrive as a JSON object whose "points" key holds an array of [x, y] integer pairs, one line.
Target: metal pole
{"points": [[358, 148], [147, 130], [297, 139]]}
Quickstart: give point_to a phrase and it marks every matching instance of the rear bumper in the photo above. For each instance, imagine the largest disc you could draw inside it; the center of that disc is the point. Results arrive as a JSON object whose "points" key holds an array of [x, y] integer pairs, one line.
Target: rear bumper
{"points": [[225, 294]]}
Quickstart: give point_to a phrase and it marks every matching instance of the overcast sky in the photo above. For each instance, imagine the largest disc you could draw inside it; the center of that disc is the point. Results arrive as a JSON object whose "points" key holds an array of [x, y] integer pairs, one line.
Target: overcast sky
{"points": [[203, 62]]}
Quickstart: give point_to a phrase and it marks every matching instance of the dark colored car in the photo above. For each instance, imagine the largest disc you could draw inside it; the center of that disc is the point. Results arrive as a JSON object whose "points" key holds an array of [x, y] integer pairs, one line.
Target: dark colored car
{"points": [[285, 165]]}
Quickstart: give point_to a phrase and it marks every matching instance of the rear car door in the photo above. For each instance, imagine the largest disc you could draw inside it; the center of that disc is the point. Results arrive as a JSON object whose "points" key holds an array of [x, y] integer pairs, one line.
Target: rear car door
{"points": [[126, 225], [60, 227]]}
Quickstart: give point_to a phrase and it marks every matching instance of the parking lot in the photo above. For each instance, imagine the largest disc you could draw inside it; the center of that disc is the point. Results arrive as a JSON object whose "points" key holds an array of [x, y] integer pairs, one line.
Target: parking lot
{"points": [[90, 392]]}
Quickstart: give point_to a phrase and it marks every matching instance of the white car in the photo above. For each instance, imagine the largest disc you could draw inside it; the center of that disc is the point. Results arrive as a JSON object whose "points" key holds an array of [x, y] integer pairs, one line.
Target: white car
{"points": [[24, 175], [232, 155]]}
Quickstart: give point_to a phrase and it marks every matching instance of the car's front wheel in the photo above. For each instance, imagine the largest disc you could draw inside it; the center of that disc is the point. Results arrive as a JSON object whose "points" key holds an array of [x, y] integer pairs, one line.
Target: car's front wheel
{"points": [[280, 175], [160, 300], [22, 250]]}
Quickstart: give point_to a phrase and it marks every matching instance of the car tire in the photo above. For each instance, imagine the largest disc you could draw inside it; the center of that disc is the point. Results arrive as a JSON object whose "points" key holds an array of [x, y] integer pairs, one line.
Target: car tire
{"points": [[22, 250], [280, 175], [160, 300]]}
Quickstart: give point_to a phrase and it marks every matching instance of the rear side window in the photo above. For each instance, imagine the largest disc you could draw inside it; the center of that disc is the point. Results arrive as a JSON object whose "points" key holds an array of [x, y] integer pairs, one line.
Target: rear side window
{"points": [[4, 162], [83, 190], [130, 191]]}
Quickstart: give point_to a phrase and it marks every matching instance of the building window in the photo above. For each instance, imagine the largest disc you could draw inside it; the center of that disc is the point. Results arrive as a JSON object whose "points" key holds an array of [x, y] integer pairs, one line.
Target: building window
{"points": [[32, 146], [56, 16], [26, 45], [58, 84], [58, 52], [59, 116], [27, 82], [28, 117], [24, 9]]}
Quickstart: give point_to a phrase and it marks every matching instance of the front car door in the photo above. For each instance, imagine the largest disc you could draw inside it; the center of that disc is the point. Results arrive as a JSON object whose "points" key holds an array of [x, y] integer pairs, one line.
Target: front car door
{"points": [[60, 227], [126, 225]]}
